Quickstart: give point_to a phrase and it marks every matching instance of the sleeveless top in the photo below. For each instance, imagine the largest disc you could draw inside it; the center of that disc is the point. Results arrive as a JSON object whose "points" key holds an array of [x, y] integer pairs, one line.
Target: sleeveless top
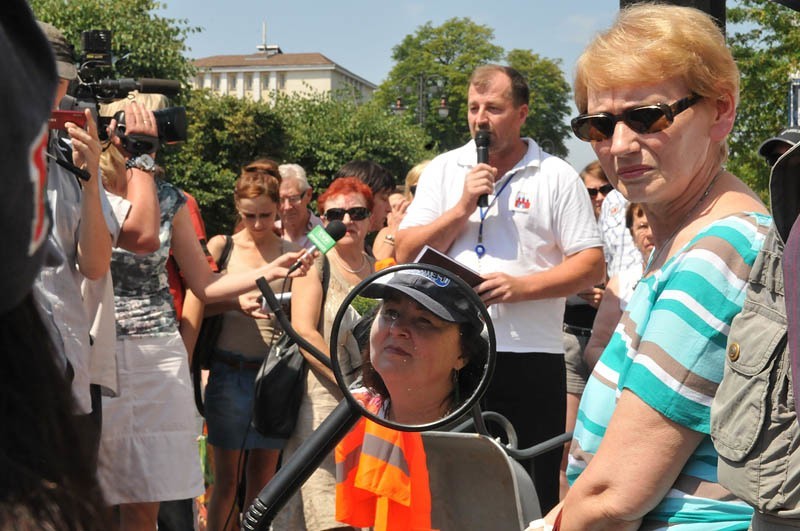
{"points": [[142, 301], [247, 336]]}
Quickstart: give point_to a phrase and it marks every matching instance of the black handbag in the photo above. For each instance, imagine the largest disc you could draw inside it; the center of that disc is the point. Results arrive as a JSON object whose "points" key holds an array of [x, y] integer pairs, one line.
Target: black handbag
{"points": [[279, 389], [280, 382], [207, 339]]}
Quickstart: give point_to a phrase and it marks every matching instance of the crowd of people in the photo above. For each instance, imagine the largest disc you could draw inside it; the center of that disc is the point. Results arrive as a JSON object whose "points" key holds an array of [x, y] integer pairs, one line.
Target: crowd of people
{"points": [[628, 301]]}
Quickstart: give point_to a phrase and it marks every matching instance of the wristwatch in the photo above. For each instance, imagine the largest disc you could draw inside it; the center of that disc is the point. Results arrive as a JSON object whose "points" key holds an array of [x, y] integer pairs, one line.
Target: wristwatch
{"points": [[143, 162]]}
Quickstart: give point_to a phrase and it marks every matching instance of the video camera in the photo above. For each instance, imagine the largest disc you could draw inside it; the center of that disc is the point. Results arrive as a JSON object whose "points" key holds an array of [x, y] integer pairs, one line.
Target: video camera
{"points": [[96, 84]]}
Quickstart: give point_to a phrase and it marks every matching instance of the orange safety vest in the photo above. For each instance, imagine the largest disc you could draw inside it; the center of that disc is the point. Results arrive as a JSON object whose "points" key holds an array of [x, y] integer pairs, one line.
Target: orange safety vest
{"points": [[382, 479]]}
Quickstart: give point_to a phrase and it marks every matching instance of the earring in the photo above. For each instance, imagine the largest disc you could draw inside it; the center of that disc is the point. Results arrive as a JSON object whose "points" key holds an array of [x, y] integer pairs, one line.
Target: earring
{"points": [[454, 378]]}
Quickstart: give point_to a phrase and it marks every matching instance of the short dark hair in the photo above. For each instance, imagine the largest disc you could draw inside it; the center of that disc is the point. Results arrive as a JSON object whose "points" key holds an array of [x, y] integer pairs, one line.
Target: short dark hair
{"points": [[520, 93], [378, 178]]}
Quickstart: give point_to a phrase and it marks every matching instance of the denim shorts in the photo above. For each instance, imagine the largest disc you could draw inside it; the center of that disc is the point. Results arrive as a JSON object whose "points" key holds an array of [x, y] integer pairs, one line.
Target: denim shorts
{"points": [[229, 406]]}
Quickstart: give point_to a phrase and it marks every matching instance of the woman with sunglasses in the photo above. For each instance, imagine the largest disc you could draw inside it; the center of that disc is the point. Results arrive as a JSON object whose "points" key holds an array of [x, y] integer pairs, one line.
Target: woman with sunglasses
{"points": [[348, 200], [657, 120]]}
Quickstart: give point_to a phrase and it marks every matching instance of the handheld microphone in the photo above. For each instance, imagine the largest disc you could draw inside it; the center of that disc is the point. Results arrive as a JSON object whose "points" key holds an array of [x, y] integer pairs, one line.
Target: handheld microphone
{"points": [[322, 240], [482, 145]]}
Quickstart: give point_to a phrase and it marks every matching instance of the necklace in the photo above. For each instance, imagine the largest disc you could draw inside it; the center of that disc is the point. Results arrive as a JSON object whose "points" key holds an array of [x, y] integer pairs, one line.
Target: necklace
{"points": [[343, 264], [657, 254]]}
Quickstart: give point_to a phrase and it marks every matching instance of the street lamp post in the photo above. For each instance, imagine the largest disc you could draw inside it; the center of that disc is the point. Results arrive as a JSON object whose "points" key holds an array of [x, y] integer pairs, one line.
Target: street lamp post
{"points": [[427, 86]]}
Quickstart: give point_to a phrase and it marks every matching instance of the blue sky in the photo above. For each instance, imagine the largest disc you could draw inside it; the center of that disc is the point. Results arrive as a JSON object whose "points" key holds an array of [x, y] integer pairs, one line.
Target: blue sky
{"points": [[360, 34]]}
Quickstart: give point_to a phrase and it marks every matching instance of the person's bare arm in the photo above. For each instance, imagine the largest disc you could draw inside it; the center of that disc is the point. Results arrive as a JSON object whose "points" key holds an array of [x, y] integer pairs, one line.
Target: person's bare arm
{"points": [[213, 287], [140, 230], [306, 316], [94, 240], [638, 461], [443, 231], [577, 272], [605, 322]]}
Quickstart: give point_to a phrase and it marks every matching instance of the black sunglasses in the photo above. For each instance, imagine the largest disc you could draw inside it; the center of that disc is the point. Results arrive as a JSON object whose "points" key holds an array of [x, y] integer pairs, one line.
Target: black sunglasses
{"points": [[413, 189], [355, 213], [605, 190], [644, 119]]}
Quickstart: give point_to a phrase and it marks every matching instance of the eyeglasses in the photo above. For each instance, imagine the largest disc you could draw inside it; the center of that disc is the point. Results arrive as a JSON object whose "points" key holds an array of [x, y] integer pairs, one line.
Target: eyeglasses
{"points": [[605, 190], [355, 213], [413, 189], [645, 119], [291, 199]]}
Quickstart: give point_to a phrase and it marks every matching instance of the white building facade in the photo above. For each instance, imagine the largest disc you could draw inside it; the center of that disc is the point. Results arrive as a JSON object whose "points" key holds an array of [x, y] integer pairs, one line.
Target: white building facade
{"points": [[258, 76]]}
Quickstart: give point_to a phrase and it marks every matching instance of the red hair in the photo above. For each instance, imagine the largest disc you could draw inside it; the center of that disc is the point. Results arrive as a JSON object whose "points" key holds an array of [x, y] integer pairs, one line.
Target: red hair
{"points": [[344, 186]]}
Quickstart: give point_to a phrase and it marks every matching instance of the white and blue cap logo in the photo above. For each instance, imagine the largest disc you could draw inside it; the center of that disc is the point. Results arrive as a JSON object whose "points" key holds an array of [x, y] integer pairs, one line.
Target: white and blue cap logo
{"points": [[436, 293]]}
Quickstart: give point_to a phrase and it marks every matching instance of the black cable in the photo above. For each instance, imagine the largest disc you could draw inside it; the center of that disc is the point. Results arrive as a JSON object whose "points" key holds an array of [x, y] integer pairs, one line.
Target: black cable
{"points": [[240, 463]]}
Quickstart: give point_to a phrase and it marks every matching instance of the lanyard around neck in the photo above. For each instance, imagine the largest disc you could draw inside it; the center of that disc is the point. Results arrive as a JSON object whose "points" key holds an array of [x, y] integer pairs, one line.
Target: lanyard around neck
{"points": [[480, 250]]}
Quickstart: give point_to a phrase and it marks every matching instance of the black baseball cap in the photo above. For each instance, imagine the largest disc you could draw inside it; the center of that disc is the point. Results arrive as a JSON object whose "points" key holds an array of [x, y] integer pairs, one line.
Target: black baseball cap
{"points": [[29, 78], [436, 293], [787, 137]]}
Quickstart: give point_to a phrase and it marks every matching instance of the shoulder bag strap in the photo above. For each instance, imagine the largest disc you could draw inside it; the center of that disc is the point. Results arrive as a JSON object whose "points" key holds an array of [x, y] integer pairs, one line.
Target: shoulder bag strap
{"points": [[226, 252], [791, 286]]}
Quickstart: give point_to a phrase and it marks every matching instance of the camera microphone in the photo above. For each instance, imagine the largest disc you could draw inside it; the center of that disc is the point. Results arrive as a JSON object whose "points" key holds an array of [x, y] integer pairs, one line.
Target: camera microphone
{"points": [[167, 87], [482, 145], [322, 240]]}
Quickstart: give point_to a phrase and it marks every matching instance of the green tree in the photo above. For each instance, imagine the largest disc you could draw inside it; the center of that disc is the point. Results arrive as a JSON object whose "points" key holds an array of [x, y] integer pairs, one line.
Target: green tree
{"points": [[326, 130], [224, 133], [549, 103], [766, 45], [438, 60], [156, 44]]}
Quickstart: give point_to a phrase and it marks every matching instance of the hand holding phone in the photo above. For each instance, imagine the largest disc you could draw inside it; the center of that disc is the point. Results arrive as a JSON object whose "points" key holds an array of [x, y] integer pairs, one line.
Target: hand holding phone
{"points": [[59, 119]]}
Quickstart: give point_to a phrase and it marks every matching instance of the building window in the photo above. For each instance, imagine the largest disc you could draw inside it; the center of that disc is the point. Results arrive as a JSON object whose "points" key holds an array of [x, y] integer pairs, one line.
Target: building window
{"points": [[215, 81]]}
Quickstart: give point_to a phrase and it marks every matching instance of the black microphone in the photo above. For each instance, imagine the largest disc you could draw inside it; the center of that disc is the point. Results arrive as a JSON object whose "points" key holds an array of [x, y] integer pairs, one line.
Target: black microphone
{"points": [[166, 87], [482, 145], [322, 240]]}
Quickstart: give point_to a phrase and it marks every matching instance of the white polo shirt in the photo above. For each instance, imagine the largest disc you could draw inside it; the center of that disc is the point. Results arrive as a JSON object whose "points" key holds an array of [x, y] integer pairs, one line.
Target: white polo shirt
{"points": [[541, 215]]}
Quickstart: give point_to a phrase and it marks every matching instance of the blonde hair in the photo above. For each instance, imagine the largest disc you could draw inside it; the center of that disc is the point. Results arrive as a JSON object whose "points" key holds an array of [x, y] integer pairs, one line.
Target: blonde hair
{"points": [[112, 161], [412, 177], [652, 43]]}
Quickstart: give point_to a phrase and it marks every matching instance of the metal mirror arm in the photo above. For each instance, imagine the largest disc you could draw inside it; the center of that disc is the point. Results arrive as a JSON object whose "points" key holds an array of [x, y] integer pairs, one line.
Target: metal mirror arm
{"points": [[294, 472], [283, 320]]}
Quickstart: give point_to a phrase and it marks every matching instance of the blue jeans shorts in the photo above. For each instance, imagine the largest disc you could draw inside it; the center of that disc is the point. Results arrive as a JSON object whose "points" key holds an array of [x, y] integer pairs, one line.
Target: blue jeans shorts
{"points": [[229, 404]]}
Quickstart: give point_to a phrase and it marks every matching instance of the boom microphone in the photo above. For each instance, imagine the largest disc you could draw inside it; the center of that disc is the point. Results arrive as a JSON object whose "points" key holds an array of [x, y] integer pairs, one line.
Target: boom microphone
{"points": [[482, 145], [322, 240], [166, 87]]}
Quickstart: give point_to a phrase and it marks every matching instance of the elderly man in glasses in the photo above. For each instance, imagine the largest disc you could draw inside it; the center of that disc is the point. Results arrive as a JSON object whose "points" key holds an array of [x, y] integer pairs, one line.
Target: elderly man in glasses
{"points": [[296, 219], [534, 242]]}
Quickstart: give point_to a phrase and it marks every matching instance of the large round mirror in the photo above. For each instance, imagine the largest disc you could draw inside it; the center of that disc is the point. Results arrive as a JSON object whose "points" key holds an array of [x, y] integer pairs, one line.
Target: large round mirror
{"points": [[413, 347]]}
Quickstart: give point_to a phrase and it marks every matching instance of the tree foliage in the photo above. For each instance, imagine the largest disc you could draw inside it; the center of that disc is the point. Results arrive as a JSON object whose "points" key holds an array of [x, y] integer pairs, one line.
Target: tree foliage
{"points": [[318, 131], [224, 133], [156, 44], [766, 45], [324, 131], [436, 61], [549, 102]]}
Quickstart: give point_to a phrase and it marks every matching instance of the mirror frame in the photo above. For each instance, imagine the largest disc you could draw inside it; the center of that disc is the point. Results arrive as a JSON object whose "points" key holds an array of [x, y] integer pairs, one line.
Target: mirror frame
{"points": [[467, 404]]}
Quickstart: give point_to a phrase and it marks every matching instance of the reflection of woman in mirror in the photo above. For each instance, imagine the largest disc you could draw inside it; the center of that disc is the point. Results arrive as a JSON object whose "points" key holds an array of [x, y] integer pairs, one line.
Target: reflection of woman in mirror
{"points": [[426, 351]]}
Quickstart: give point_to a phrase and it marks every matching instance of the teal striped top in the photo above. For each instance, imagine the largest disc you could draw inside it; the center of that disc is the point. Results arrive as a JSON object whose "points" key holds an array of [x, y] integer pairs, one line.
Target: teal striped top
{"points": [[669, 349]]}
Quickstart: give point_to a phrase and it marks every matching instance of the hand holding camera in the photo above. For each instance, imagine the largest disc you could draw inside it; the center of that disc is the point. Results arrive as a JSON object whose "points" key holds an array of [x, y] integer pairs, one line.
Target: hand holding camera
{"points": [[131, 129]]}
